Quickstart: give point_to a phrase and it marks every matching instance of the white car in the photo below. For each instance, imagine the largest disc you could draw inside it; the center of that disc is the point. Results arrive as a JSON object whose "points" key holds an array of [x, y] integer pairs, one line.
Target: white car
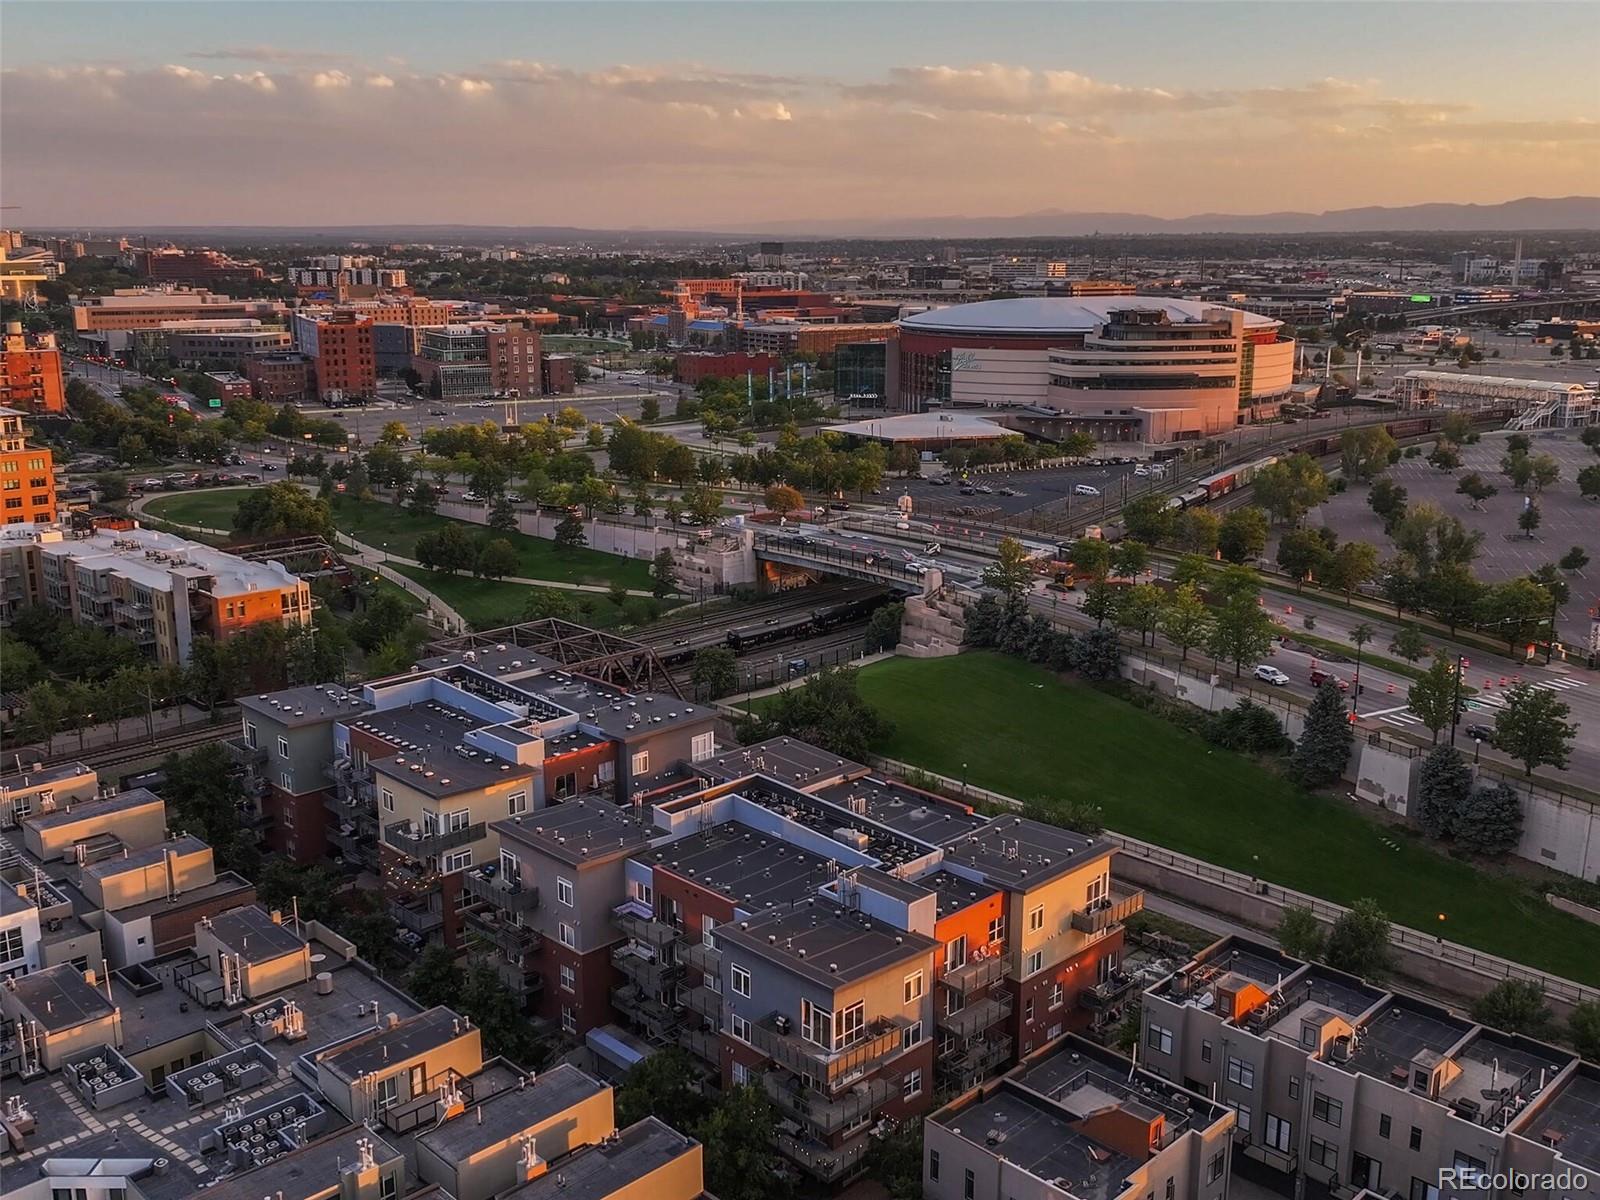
{"points": [[471, 497], [1270, 674], [1084, 489], [1142, 471]]}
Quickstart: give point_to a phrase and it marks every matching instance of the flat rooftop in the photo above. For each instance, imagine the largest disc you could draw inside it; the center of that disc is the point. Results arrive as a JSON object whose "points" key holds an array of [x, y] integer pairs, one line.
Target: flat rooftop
{"points": [[1019, 853], [796, 763], [153, 558], [891, 848], [955, 892], [306, 1172], [430, 753], [612, 711], [250, 932], [20, 781], [916, 814], [143, 858], [1084, 1078], [58, 998], [580, 831], [598, 1172], [1570, 1121], [83, 810], [924, 427], [827, 944], [411, 1036], [754, 870], [311, 704], [1399, 1035], [511, 1112], [1497, 1067], [504, 661]]}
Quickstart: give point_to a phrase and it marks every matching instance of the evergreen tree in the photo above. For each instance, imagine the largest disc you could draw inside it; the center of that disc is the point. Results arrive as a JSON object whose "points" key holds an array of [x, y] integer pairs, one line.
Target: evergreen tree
{"points": [[1490, 821], [1514, 1006], [1359, 942], [1324, 747], [570, 534], [1300, 933], [663, 574], [1443, 784]]}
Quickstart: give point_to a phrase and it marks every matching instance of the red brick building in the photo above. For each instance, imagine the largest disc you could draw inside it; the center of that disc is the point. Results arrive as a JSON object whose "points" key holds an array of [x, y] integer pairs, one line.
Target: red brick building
{"points": [[30, 372], [281, 378], [691, 368]]}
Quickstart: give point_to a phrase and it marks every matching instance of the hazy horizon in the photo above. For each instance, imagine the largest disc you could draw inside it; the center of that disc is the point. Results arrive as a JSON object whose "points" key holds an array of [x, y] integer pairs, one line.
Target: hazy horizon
{"points": [[737, 117]]}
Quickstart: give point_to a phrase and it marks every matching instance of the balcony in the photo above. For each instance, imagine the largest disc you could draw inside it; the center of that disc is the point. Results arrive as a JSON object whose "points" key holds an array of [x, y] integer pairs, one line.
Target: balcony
{"points": [[707, 1003], [824, 1114], [976, 1017], [659, 1019], [418, 920], [507, 895], [411, 840], [702, 1043], [698, 956], [635, 920], [877, 1042], [977, 1057], [644, 966], [353, 842], [1112, 910], [824, 1163], [1105, 994], [516, 940], [977, 973], [243, 754]]}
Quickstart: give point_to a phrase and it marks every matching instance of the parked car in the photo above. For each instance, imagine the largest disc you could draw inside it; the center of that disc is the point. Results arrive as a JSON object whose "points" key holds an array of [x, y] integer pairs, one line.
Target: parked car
{"points": [[1270, 674], [1085, 489], [1320, 676]]}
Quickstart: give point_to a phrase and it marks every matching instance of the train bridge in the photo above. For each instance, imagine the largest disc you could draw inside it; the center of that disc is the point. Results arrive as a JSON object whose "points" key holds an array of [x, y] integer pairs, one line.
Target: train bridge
{"points": [[874, 564]]}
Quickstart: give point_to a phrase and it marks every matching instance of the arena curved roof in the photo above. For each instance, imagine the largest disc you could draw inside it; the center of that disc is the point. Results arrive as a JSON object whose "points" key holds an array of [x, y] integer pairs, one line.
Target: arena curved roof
{"points": [[1057, 314]]}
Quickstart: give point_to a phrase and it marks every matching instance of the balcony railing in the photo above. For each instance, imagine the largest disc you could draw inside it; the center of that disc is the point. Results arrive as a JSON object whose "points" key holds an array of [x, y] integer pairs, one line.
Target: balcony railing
{"points": [[514, 939], [243, 754], [418, 920], [509, 895], [698, 956], [702, 1043], [707, 1003], [827, 1115], [1107, 993], [660, 1019], [635, 921], [976, 1058], [876, 1043], [976, 1017], [1112, 910], [644, 967], [410, 839], [976, 973], [825, 1163]]}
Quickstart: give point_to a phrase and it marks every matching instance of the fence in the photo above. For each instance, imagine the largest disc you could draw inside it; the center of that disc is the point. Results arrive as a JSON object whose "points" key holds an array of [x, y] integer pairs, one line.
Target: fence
{"points": [[1400, 936]]}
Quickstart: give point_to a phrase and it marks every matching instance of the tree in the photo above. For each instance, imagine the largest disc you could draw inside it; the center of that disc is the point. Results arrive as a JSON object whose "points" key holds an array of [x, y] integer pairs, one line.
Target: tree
{"points": [[1147, 519], [1388, 499], [1583, 1029], [1444, 781], [827, 711], [1409, 643], [895, 1160], [650, 409], [1532, 728], [1529, 519], [1589, 483], [1100, 600], [545, 603], [1433, 697], [1196, 531], [1451, 594], [704, 503], [384, 616], [1302, 553], [1323, 750], [424, 499], [1287, 489], [740, 1128], [1490, 822], [570, 534], [1397, 580], [664, 1083], [1514, 1006], [883, 627], [1140, 610], [1445, 455], [435, 979], [1549, 577], [1091, 557], [1300, 933], [1193, 569], [663, 574], [783, 499], [1243, 534], [1517, 608], [1516, 466], [1351, 565], [111, 488], [394, 433], [1476, 488], [1546, 470], [1185, 619], [1097, 654], [282, 510], [1011, 572], [1574, 560], [1364, 453], [1130, 559], [1240, 627], [496, 559], [715, 672], [1358, 944]]}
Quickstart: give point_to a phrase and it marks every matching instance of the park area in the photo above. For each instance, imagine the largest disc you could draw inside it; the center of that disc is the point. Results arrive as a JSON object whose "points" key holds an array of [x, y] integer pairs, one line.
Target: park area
{"points": [[492, 603], [1015, 728], [395, 531]]}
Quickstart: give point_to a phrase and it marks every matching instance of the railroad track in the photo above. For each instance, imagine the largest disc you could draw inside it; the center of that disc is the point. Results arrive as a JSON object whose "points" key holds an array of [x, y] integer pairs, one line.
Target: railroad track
{"points": [[117, 753]]}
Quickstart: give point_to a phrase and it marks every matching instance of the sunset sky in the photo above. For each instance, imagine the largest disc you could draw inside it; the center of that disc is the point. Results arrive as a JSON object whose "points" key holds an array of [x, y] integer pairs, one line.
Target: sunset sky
{"points": [[728, 116]]}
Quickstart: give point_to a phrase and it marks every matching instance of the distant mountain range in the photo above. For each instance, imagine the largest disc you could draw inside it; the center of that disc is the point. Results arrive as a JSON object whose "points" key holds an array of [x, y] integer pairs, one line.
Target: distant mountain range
{"points": [[1528, 214]]}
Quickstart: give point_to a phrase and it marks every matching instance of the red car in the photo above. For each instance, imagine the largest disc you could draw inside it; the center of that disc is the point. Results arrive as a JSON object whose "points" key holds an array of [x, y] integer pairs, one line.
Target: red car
{"points": [[1320, 677]]}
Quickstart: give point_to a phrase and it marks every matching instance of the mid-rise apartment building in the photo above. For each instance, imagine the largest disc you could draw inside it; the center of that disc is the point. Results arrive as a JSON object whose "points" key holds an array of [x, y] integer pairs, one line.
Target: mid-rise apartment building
{"points": [[27, 475], [1344, 1084], [198, 268], [788, 338], [281, 378], [220, 343], [158, 590], [109, 319], [30, 372], [481, 358], [339, 344]]}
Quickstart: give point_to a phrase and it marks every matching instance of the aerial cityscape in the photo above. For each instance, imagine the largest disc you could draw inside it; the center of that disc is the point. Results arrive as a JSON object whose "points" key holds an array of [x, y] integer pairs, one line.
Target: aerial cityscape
{"points": [[730, 601]]}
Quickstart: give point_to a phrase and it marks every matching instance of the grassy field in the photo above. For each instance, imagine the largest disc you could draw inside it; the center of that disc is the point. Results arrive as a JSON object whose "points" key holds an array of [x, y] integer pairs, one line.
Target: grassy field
{"points": [[380, 524], [1016, 729], [490, 603]]}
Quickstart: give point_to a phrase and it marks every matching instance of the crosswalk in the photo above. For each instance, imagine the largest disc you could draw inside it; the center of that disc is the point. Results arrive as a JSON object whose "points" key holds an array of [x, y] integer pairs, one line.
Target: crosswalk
{"points": [[1484, 702]]}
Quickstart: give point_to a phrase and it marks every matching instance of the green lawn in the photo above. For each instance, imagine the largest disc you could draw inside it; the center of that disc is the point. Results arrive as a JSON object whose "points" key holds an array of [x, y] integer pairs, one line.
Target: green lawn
{"points": [[1016, 729], [490, 603], [214, 510]]}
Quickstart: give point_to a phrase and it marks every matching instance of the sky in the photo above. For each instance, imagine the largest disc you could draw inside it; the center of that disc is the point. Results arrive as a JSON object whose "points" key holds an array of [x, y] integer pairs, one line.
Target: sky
{"points": [[730, 116]]}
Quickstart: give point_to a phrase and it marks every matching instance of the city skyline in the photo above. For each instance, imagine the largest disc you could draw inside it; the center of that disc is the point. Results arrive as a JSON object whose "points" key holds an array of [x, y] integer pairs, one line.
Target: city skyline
{"points": [[733, 117]]}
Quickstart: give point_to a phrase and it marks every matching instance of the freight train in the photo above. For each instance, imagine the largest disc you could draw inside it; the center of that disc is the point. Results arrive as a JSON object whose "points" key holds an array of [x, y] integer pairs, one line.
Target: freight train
{"points": [[797, 625]]}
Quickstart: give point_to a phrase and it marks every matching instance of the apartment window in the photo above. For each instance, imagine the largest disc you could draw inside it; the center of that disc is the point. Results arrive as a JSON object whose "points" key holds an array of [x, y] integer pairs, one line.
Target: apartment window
{"points": [[1158, 1038], [1421, 1189], [388, 1187], [997, 929], [458, 820], [912, 1087], [1324, 1154], [1416, 1138], [849, 1024], [567, 934], [1214, 1167], [250, 734], [969, 1185], [1205, 1051], [1172, 1187], [1327, 1110], [569, 1020], [1027, 1011], [564, 891], [288, 817], [607, 771], [740, 979], [1241, 1073], [10, 944], [702, 746], [708, 932], [739, 1027], [388, 1093], [933, 1165], [563, 786], [641, 763], [912, 989], [1243, 1114], [456, 860], [955, 953], [1279, 1133], [569, 979], [517, 803], [1366, 1172], [283, 747], [1035, 963], [388, 800], [1385, 1124], [1057, 995], [1036, 918], [954, 1002], [816, 1024], [741, 1073], [1294, 1087], [911, 1035]]}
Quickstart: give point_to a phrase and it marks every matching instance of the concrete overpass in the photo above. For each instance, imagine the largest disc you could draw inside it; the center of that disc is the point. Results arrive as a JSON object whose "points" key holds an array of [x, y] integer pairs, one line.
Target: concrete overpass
{"points": [[870, 563], [1551, 305]]}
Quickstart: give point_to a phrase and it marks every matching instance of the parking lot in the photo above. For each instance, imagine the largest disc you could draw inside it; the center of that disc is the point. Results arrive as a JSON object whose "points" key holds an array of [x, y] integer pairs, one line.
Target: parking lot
{"points": [[1507, 552], [1050, 487]]}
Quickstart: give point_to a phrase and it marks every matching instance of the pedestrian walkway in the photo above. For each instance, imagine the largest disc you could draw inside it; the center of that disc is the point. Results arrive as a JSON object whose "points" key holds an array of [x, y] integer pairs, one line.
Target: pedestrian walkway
{"points": [[1490, 700]]}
